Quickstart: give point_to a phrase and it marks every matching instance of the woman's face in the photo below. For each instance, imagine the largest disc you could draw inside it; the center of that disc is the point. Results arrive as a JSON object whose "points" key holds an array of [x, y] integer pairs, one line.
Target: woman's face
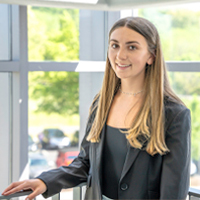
{"points": [[128, 53]]}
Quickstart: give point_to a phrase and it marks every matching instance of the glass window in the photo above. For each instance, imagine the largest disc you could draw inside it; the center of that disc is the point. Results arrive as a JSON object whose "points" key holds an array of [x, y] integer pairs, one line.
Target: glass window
{"points": [[53, 121], [53, 34], [53, 116], [187, 86], [4, 32], [179, 28]]}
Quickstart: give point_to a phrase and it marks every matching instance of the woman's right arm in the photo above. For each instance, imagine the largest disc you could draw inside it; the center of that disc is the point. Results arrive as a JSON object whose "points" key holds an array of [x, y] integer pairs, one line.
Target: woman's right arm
{"points": [[36, 185], [74, 174], [53, 181], [68, 176]]}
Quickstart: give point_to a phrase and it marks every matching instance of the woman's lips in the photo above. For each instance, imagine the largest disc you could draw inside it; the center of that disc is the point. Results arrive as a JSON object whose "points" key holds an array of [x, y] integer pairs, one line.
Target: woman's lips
{"points": [[123, 66]]}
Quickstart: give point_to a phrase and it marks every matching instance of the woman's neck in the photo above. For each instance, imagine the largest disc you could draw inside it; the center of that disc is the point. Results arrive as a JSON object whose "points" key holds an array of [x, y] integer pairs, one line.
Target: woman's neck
{"points": [[128, 86]]}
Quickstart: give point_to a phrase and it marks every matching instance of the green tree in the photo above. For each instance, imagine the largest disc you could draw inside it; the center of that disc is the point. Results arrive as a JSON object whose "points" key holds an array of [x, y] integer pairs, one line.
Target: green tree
{"points": [[63, 44], [54, 35], [55, 92], [185, 83], [179, 31]]}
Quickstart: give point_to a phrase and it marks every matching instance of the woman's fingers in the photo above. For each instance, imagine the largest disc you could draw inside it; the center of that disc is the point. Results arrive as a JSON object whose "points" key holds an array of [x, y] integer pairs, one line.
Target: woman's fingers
{"points": [[33, 195], [36, 185], [12, 188]]}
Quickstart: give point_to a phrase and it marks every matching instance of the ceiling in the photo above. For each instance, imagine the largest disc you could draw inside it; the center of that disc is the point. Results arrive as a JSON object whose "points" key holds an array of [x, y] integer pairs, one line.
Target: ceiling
{"points": [[100, 5]]}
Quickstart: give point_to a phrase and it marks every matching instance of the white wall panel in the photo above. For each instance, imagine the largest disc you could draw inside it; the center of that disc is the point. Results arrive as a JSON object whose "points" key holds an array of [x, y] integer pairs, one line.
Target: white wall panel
{"points": [[4, 129], [4, 32]]}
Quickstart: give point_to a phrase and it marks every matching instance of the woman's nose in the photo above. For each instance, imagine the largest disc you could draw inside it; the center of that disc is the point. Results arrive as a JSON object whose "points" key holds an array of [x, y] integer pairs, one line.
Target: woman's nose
{"points": [[121, 54]]}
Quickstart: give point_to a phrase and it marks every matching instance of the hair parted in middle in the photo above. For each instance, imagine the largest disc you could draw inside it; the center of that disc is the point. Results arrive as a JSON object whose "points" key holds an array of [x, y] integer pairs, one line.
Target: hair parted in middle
{"points": [[148, 125]]}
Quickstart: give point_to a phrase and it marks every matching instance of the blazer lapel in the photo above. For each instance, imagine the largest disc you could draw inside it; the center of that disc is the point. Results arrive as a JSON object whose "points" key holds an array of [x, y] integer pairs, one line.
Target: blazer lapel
{"points": [[131, 155]]}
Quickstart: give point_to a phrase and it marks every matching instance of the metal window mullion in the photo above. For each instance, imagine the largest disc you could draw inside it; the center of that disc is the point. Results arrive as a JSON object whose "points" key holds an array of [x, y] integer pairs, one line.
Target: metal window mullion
{"points": [[52, 66], [9, 66], [175, 66], [178, 66], [23, 85]]}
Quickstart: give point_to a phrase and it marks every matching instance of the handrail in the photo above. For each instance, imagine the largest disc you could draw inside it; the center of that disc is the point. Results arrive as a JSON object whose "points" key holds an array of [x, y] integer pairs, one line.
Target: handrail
{"points": [[17, 194], [193, 192], [77, 193], [25, 193]]}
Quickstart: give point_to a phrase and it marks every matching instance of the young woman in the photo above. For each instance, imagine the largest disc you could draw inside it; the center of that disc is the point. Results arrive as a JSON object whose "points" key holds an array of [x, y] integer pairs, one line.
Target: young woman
{"points": [[137, 141]]}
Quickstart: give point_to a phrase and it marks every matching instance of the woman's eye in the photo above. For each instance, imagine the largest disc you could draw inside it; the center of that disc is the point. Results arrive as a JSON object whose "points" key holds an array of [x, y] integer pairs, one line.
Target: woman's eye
{"points": [[132, 47], [114, 46]]}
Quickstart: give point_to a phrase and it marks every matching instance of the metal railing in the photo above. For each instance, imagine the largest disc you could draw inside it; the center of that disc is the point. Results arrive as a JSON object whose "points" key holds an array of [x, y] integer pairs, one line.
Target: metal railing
{"points": [[193, 194], [78, 193]]}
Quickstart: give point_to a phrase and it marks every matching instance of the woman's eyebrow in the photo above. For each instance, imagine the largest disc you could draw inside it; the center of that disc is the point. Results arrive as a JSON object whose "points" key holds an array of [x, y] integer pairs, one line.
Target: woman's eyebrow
{"points": [[114, 40], [130, 42]]}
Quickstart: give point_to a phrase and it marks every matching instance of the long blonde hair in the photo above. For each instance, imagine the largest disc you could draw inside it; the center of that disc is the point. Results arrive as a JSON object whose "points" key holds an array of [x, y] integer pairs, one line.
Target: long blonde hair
{"points": [[147, 128]]}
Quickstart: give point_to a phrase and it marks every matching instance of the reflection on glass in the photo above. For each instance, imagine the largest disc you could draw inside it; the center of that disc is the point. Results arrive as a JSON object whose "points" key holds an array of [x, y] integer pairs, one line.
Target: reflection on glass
{"points": [[53, 120], [187, 86], [179, 29], [4, 32], [53, 34]]}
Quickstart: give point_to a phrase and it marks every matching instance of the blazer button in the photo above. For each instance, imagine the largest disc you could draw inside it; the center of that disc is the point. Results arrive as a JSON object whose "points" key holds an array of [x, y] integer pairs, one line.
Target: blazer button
{"points": [[124, 186]]}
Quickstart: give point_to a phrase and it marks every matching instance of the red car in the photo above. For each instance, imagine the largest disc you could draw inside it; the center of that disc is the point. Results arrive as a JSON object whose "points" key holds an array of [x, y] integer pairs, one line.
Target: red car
{"points": [[65, 158]]}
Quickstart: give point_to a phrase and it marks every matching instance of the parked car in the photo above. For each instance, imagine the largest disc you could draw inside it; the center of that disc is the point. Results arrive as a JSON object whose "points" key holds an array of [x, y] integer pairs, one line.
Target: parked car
{"points": [[53, 139], [65, 158], [37, 164]]}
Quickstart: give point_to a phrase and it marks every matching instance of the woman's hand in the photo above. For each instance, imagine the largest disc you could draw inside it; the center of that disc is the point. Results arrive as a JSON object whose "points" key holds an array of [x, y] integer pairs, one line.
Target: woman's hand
{"points": [[36, 185]]}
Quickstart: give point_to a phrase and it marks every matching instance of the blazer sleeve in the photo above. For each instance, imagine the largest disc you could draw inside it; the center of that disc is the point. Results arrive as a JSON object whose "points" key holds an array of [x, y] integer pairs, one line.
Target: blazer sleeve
{"points": [[175, 176], [72, 175]]}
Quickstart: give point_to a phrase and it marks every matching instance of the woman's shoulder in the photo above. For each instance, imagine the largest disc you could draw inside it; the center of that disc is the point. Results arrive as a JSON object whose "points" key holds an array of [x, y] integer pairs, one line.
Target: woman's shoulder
{"points": [[170, 102], [173, 108], [173, 105]]}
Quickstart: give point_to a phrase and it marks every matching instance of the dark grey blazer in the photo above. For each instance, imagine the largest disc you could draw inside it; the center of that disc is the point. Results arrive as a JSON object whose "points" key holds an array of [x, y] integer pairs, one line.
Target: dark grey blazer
{"points": [[143, 176]]}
